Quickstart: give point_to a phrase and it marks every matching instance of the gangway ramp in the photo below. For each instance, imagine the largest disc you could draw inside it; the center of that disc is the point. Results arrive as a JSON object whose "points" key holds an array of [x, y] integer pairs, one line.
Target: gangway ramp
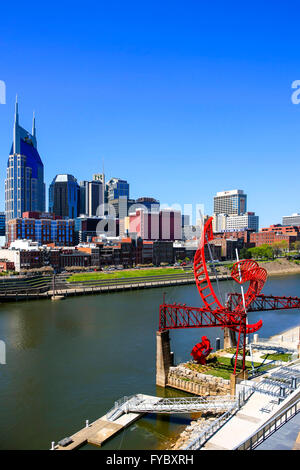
{"points": [[180, 404]]}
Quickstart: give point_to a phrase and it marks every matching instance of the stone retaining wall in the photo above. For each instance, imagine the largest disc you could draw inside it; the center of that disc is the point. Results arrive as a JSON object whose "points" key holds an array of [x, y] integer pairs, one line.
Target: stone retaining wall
{"points": [[182, 378]]}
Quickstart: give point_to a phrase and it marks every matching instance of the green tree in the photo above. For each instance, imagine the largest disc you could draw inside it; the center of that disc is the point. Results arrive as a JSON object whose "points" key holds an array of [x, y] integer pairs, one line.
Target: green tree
{"points": [[262, 252], [245, 253], [280, 247], [296, 246]]}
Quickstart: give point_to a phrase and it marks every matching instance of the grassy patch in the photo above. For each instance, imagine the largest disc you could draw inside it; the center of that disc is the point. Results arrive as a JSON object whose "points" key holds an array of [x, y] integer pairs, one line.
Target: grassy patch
{"points": [[125, 274], [278, 357], [219, 366]]}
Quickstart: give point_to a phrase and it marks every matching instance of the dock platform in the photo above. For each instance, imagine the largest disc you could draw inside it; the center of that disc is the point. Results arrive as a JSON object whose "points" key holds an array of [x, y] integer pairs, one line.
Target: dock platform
{"points": [[101, 430]]}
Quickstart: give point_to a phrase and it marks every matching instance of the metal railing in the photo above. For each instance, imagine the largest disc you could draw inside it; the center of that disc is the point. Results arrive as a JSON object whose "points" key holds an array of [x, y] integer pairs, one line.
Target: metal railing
{"points": [[119, 404], [205, 435], [180, 404], [269, 428], [261, 369]]}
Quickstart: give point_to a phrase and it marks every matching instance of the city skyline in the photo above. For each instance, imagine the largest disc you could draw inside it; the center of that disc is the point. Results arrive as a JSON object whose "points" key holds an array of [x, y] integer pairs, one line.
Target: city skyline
{"points": [[195, 114], [47, 200]]}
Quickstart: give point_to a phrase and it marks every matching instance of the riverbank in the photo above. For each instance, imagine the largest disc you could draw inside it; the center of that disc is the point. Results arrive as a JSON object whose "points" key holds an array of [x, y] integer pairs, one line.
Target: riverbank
{"points": [[280, 267]]}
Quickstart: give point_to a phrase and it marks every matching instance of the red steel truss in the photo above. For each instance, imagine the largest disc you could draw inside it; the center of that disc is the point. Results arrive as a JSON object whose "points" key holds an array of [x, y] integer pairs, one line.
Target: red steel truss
{"points": [[265, 302], [177, 316], [234, 314]]}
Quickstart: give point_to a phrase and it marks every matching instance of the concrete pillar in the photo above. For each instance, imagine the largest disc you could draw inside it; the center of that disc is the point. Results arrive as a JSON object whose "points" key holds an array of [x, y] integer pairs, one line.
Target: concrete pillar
{"points": [[229, 338], [163, 357], [234, 379]]}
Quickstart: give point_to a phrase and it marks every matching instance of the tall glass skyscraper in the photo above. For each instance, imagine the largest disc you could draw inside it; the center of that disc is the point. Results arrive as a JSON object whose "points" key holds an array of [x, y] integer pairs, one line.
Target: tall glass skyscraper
{"points": [[24, 184], [64, 196]]}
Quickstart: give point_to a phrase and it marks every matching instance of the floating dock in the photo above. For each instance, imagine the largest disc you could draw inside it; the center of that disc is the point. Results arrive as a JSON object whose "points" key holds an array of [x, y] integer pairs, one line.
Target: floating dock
{"points": [[103, 428]]}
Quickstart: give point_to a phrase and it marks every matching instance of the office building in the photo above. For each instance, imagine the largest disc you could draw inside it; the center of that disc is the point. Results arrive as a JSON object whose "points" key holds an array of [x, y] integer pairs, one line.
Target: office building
{"points": [[148, 203], [91, 198], [165, 225], [293, 219], [224, 222], [24, 184], [232, 202], [116, 188], [2, 224], [64, 194], [88, 227], [44, 231], [120, 207]]}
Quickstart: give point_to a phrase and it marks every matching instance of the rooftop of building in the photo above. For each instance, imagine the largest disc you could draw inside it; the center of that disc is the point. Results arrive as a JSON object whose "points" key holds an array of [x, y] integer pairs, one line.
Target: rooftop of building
{"points": [[64, 178], [231, 192]]}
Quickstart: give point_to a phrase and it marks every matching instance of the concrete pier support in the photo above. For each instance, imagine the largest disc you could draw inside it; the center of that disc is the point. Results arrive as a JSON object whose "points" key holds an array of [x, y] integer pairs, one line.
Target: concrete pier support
{"points": [[235, 379], [164, 358], [229, 338]]}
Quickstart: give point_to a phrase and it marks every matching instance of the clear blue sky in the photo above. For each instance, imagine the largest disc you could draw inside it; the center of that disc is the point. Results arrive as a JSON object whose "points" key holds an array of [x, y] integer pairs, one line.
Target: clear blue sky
{"points": [[182, 99]]}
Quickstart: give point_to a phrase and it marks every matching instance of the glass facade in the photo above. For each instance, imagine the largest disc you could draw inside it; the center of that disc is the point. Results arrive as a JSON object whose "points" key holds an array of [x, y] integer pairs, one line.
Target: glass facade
{"points": [[24, 184], [64, 196], [117, 188]]}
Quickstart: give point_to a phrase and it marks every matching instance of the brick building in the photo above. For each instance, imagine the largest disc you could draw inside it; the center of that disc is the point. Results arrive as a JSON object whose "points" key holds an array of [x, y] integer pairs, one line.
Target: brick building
{"points": [[44, 229], [276, 233]]}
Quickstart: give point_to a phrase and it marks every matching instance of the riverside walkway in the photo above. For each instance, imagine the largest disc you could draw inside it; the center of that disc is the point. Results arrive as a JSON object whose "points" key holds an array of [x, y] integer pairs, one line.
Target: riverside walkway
{"points": [[65, 289]]}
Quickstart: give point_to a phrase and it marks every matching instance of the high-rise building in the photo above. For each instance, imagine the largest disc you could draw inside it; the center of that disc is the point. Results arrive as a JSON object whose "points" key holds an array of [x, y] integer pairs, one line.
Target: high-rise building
{"points": [[147, 203], [91, 197], [117, 188], [64, 196], [24, 184], [120, 207], [163, 225], [232, 202], [2, 224], [293, 219]]}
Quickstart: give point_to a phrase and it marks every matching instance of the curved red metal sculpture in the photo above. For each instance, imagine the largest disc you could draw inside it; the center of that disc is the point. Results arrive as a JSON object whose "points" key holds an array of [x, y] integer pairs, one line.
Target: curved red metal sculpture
{"points": [[201, 350], [213, 314], [242, 271]]}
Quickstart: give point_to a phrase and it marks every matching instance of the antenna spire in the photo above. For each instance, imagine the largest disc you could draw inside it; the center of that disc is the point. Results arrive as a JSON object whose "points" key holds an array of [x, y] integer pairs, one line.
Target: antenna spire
{"points": [[33, 125], [16, 111]]}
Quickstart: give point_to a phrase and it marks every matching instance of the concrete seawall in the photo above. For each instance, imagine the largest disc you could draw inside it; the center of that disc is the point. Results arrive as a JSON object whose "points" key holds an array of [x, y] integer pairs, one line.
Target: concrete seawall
{"points": [[90, 290]]}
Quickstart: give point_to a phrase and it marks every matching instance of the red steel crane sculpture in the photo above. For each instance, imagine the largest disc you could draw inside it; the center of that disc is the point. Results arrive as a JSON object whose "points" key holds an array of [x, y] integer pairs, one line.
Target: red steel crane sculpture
{"points": [[233, 315]]}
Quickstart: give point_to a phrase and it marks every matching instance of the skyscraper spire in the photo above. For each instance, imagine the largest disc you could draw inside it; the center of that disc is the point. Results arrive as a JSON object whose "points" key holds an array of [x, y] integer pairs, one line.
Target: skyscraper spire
{"points": [[16, 111], [33, 125], [16, 147]]}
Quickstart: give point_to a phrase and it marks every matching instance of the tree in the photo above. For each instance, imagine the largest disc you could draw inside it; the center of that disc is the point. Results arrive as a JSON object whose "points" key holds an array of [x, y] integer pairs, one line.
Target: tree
{"points": [[280, 246], [296, 245], [245, 253], [262, 252]]}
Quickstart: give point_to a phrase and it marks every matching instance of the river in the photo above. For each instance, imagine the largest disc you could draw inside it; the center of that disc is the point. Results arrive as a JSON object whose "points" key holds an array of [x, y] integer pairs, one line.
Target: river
{"points": [[68, 361]]}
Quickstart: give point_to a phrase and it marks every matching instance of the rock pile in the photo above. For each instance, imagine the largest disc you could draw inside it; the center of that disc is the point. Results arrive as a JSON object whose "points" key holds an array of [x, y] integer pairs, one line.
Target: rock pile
{"points": [[192, 431]]}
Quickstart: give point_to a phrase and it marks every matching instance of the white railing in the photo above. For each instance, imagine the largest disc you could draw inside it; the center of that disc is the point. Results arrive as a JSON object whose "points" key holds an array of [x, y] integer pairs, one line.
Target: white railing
{"points": [[269, 428], [203, 437]]}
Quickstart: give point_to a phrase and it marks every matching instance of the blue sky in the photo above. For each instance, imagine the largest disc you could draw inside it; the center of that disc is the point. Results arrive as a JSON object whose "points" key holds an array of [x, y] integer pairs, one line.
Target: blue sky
{"points": [[182, 99]]}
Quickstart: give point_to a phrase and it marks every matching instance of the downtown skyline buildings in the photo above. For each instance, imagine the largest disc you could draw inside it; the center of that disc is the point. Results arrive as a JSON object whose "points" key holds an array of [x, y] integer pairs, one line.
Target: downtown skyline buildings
{"points": [[25, 190]]}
